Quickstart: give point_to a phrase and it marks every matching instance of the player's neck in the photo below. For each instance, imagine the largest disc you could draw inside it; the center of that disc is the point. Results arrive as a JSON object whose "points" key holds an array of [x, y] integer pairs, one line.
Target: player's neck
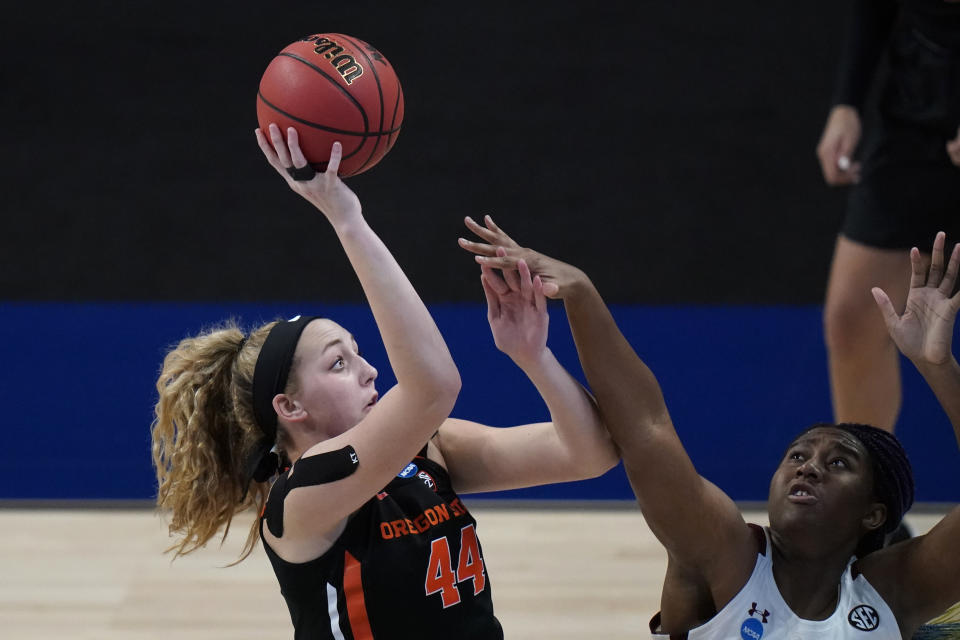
{"points": [[810, 586]]}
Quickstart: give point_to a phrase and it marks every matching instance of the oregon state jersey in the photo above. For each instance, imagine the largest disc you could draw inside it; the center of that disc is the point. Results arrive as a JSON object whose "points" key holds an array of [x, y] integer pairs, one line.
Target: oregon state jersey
{"points": [[407, 565], [758, 611]]}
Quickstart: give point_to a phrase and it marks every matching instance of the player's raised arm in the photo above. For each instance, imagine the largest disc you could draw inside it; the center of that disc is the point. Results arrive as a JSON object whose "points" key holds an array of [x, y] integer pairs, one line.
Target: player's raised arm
{"points": [[924, 332], [391, 433], [573, 446], [677, 502], [920, 575], [418, 355]]}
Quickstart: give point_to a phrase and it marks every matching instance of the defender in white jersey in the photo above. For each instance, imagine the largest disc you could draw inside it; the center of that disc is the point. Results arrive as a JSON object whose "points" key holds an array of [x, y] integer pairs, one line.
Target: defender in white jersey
{"points": [[820, 572], [759, 610]]}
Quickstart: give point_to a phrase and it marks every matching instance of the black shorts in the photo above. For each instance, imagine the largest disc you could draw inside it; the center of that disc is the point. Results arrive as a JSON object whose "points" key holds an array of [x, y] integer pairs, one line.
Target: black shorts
{"points": [[909, 189]]}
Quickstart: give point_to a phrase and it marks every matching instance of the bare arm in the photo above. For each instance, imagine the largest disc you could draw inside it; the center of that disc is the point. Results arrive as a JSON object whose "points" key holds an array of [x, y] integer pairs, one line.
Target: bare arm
{"points": [[417, 352], [678, 504], [921, 574], [924, 333], [427, 378], [944, 380], [573, 446], [868, 30]]}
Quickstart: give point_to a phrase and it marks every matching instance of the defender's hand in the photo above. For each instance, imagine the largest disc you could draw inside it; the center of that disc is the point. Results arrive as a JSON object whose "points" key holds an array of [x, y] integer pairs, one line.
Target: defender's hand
{"points": [[499, 251], [925, 330]]}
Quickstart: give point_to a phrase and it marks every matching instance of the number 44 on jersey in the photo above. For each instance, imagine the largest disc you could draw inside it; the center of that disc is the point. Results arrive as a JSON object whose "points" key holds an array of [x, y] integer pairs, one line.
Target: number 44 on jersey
{"points": [[440, 575]]}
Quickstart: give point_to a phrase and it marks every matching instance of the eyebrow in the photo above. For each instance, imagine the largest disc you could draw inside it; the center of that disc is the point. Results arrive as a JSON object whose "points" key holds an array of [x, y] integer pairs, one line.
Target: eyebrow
{"points": [[340, 341], [850, 450], [847, 448], [333, 342]]}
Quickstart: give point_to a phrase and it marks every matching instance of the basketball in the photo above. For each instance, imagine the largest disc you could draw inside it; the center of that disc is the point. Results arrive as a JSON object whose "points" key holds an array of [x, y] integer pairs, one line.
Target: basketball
{"points": [[333, 87]]}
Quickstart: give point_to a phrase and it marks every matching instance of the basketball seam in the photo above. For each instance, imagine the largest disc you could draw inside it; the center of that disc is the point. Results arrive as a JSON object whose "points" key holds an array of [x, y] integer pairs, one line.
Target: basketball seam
{"points": [[393, 120], [316, 126], [376, 76], [356, 103], [323, 127]]}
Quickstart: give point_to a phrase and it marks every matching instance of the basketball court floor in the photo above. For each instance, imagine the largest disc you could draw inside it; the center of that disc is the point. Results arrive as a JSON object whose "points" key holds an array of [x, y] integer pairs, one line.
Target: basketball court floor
{"points": [[100, 574]]}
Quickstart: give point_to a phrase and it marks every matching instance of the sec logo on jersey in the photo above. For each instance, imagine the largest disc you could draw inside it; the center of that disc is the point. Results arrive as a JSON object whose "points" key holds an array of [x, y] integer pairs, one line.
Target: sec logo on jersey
{"points": [[864, 617]]}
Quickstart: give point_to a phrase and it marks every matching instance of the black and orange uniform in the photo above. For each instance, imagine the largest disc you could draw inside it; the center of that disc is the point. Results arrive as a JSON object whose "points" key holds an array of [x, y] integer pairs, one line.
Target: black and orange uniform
{"points": [[909, 189], [407, 565]]}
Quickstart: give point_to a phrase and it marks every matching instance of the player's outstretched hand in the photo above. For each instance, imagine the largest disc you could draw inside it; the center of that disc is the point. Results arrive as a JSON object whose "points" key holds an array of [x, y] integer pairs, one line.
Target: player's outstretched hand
{"points": [[326, 190], [925, 330], [499, 251], [517, 312]]}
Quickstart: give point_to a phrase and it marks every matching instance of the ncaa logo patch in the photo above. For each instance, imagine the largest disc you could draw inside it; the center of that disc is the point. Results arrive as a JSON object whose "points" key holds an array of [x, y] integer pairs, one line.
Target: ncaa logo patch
{"points": [[408, 471], [751, 629], [864, 617]]}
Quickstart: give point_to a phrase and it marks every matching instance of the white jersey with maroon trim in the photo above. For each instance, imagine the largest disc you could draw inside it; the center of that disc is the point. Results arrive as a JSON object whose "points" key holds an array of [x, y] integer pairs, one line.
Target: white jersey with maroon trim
{"points": [[759, 612]]}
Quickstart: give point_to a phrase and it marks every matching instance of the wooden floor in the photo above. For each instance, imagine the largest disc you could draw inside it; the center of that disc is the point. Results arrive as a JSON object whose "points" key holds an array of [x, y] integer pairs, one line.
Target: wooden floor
{"points": [[101, 575]]}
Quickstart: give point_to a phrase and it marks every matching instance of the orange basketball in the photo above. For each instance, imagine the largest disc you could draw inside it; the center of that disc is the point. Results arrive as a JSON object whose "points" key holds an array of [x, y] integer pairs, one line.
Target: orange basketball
{"points": [[333, 87]]}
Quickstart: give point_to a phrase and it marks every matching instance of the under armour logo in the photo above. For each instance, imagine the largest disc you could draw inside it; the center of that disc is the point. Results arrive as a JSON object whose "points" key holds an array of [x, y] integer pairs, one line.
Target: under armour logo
{"points": [[763, 614], [864, 617]]}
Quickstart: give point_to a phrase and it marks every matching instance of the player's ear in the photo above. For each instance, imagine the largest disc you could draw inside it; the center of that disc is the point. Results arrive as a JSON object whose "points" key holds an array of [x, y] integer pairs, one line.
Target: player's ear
{"points": [[288, 408], [875, 516]]}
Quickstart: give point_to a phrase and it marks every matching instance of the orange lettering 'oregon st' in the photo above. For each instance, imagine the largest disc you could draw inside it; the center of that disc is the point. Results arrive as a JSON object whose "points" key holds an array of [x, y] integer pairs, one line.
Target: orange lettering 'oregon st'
{"points": [[423, 522]]}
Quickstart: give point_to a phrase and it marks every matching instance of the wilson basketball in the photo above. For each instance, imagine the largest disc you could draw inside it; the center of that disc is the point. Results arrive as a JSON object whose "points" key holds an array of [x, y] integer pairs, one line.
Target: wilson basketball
{"points": [[333, 87]]}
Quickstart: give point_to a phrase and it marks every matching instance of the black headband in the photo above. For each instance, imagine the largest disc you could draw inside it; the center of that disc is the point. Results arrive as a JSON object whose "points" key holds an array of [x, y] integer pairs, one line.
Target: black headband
{"points": [[270, 378]]}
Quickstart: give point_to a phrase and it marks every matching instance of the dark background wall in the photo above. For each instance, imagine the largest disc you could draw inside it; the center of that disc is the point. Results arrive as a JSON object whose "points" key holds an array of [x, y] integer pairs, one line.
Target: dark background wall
{"points": [[621, 135], [667, 148]]}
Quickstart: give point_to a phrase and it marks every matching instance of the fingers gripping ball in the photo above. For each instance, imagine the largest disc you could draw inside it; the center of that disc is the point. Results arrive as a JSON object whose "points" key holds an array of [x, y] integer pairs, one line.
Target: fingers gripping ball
{"points": [[333, 87]]}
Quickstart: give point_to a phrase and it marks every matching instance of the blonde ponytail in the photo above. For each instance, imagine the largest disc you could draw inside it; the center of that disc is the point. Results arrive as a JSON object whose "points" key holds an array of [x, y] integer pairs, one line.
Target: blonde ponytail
{"points": [[202, 433]]}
